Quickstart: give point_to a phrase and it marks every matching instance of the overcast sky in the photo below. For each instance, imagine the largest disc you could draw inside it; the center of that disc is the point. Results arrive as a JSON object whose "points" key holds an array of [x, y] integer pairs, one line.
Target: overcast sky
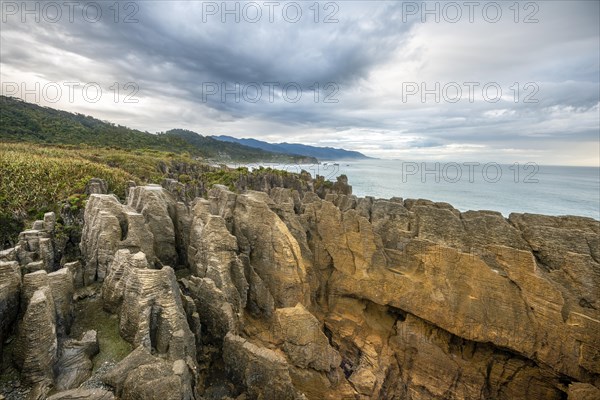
{"points": [[186, 62]]}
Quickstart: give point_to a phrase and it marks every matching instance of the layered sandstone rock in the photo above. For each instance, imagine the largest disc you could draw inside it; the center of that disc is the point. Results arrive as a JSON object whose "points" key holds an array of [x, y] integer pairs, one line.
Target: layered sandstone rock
{"points": [[403, 287], [301, 337], [10, 288], [273, 252], [83, 394], [149, 305], [262, 372], [43, 352], [110, 226], [474, 277], [37, 344], [330, 297], [141, 376], [158, 208], [75, 365]]}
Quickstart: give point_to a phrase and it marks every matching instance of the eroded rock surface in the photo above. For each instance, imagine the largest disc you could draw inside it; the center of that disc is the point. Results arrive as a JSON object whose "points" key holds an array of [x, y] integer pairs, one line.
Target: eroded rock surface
{"points": [[149, 305], [110, 226], [318, 294], [10, 289], [75, 364], [143, 376], [262, 372]]}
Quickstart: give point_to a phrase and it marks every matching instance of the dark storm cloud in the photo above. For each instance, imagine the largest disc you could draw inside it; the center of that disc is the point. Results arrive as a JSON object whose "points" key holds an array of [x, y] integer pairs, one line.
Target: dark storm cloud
{"points": [[194, 51], [174, 51]]}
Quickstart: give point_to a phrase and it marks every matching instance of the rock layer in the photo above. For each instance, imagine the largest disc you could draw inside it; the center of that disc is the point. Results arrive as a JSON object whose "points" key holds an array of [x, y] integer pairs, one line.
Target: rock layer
{"points": [[323, 295]]}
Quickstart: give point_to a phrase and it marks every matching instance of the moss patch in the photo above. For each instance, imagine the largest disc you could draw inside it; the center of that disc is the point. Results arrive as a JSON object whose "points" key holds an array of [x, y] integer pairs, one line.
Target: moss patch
{"points": [[89, 314]]}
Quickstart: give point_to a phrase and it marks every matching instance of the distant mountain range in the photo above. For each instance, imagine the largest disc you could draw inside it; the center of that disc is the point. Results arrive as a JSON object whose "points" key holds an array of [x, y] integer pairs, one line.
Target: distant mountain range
{"points": [[321, 153]]}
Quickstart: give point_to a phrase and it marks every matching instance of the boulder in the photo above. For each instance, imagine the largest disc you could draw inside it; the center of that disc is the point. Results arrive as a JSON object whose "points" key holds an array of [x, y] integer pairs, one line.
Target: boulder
{"points": [[142, 376], [75, 361], [303, 340], [263, 373]]}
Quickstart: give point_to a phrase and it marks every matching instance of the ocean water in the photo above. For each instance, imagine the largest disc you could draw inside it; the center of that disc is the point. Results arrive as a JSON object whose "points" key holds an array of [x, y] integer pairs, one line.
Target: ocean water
{"points": [[522, 188]]}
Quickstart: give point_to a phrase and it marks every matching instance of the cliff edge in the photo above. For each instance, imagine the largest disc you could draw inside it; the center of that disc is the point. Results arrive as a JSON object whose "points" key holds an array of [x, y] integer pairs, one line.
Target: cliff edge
{"points": [[287, 295]]}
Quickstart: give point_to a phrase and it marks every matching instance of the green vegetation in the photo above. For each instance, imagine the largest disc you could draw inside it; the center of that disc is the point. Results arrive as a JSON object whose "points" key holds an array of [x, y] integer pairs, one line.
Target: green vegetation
{"points": [[48, 156], [25, 122], [36, 178], [91, 315]]}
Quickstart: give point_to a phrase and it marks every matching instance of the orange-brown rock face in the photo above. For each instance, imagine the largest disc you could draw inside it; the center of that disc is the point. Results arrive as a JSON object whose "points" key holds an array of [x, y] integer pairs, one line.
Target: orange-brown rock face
{"points": [[485, 307], [418, 300], [346, 298]]}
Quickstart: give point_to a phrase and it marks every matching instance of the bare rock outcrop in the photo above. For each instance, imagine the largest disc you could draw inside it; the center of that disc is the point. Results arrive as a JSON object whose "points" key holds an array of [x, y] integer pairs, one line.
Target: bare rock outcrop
{"points": [[583, 391], [74, 364], [41, 349], [83, 394], [262, 372], [149, 304], [302, 339], [35, 249], [37, 346], [110, 226], [477, 278], [293, 293], [10, 289], [167, 219], [273, 252], [96, 186], [61, 284], [212, 254], [142, 376]]}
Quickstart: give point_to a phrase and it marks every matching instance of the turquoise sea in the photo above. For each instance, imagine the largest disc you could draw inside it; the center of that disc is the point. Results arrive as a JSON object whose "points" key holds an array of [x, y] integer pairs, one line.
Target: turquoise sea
{"points": [[522, 188]]}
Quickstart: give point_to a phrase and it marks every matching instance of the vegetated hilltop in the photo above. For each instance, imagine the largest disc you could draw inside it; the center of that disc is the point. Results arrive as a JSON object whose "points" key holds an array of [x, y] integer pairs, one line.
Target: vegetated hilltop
{"points": [[322, 153], [26, 122]]}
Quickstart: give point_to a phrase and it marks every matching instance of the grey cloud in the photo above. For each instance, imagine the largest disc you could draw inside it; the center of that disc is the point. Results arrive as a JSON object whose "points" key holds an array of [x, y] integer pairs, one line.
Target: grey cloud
{"points": [[171, 52]]}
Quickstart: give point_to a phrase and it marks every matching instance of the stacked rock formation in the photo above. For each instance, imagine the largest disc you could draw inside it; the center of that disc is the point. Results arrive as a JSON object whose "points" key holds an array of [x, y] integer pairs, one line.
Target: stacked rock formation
{"points": [[288, 295], [40, 298]]}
